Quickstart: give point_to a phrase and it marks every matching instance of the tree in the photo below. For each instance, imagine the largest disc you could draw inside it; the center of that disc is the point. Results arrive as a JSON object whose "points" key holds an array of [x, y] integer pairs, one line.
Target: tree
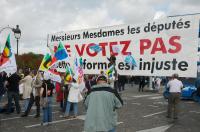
{"points": [[29, 60]]}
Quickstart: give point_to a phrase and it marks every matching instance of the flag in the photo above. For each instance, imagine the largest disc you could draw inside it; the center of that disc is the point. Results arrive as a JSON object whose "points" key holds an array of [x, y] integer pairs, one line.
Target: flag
{"points": [[7, 59], [130, 60], [81, 61], [61, 53], [44, 66], [78, 70], [46, 62], [115, 49], [110, 71], [69, 74], [60, 59], [6, 54], [96, 48]]}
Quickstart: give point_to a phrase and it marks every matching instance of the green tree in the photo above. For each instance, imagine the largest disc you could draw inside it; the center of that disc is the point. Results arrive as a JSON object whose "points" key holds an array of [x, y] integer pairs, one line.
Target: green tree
{"points": [[29, 60]]}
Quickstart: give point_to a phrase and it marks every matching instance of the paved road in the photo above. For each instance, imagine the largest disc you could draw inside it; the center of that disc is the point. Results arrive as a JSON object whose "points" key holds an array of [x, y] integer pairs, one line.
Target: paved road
{"points": [[142, 112]]}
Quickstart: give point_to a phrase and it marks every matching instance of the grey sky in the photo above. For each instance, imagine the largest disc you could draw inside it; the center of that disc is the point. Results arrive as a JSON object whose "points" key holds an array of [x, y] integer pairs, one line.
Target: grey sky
{"points": [[37, 18]]}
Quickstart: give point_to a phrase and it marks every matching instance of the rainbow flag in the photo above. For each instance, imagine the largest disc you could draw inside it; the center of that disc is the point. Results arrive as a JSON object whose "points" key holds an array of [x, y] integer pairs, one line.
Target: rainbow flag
{"points": [[78, 69], [130, 60], [60, 56], [60, 53], [6, 54], [110, 71], [69, 74], [7, 59], [46, 62], [96, 48]]}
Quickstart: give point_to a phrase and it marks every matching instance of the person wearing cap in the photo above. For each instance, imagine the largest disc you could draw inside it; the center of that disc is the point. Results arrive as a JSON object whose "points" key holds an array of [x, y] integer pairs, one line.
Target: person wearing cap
{"points": [[175, 87], [101, 104]]}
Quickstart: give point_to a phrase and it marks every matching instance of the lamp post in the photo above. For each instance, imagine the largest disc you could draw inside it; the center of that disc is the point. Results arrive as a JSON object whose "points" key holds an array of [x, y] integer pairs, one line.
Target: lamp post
{"points": [[16, 31]]}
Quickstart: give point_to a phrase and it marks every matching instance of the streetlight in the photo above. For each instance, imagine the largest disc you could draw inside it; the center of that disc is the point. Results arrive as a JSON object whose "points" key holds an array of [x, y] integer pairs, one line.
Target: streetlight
{"points": [[16, 31]]}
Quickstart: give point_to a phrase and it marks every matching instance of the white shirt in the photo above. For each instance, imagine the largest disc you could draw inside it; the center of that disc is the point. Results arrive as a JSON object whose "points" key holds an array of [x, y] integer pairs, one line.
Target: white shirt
{"points": [[175, 86]]}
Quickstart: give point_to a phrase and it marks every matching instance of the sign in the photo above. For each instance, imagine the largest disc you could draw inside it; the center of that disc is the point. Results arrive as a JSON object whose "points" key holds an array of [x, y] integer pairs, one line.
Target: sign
{"points": [[160, 48]]}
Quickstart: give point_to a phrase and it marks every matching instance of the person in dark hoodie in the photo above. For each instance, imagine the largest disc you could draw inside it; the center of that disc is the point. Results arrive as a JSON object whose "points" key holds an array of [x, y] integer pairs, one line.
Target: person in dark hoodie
{"points": [[2, 88], [12, 85]]}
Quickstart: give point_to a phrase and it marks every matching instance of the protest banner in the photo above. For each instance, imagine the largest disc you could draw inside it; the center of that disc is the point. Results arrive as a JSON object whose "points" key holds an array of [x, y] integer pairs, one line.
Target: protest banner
{"points": [[160, 47]]}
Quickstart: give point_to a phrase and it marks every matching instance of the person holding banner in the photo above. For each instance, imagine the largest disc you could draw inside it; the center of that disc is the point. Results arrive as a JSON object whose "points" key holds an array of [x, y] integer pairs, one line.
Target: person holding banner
{"points": [[46, 94], [73, 98]]}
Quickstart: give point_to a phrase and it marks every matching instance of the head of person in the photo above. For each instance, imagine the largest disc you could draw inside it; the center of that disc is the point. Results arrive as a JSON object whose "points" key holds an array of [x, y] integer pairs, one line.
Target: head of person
{"points": [[26, 72], [74, 80], [101, 72], [175, 76], [90, 77], [38, 75], [101, 79]]}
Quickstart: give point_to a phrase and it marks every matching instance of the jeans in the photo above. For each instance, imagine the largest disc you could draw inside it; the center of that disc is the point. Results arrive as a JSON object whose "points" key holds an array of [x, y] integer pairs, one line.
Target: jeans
{"points": [[121, 86], [31, 102], [75, 105], [14, 95], [26, 102], [47, 112], [113, 130], [0, 101]]}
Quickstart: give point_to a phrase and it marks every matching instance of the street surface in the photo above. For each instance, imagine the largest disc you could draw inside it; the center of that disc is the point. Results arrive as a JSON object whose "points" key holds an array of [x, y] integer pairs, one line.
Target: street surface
{"points": [[142, 112]]}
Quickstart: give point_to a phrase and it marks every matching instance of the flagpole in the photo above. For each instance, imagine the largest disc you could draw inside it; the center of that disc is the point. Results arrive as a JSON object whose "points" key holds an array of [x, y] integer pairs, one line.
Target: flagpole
{"points": [[47, 40]]}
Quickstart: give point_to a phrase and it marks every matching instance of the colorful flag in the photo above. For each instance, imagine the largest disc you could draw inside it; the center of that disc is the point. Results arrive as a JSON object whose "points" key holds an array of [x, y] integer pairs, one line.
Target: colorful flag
{"points": [[96, 48], [69, 74], [115, 49], [78, 70], [46, 62], [6, 54], [130, 60], [60, 59], [61, 53], [110, 70], [7, 59]]}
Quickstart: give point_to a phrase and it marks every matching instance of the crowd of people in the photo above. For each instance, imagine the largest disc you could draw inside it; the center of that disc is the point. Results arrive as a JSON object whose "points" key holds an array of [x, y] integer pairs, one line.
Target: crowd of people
{"points": [[100, 96], [99, 93]]}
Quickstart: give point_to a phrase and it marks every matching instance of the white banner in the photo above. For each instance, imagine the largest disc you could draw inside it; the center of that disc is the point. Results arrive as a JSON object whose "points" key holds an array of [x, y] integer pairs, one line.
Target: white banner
{"points": [[159, 48], [53, 76]]}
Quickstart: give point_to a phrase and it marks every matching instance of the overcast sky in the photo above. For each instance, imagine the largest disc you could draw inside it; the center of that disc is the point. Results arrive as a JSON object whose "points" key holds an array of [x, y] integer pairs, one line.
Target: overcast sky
{"points": [[37, 18]]}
